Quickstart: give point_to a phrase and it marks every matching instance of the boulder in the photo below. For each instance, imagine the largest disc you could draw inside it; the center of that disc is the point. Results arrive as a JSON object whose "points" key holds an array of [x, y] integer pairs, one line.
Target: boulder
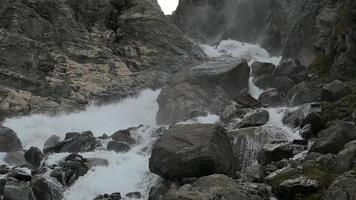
{"points": [[334, 91], [257, 118], [113, 196], [333, 139], [261, 68], [47, 189], [290, 68], [247, 142], [218, 186], [20, 175], [265, 81], [123, 136], [52, 141], [343, 188], [118, 147], [192, 150], [34, 156], [271, 97], [16, 158], [253, 173], [247, 101], [85, 142], [15, 190], [283, 84], [93, 162], [134, 195], [70, 135], [346, 158], [9, 141], [207, 88], [304, 92], [298, 186], [70, 170]]}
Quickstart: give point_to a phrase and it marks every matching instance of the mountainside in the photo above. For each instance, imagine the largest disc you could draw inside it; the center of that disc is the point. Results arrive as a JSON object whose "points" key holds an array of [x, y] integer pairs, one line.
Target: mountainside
{"points": [[62, 54]]}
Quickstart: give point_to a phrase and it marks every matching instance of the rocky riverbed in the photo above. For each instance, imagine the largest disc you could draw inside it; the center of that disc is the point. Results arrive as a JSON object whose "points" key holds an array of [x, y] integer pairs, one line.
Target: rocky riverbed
{"points": [[223, 100]]}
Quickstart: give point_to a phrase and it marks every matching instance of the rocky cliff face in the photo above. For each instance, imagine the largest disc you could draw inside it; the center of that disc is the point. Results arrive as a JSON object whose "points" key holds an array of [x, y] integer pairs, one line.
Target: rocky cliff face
{"points": [[312, 31], [60, 55]]}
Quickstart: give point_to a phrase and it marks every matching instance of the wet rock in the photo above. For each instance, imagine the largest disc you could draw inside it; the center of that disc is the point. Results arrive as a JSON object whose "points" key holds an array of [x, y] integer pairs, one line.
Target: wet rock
{"points": [[265, 81], [247, 142], [289, 68], [34, 156], [47, 189], [346, 158], [118, 147], [113, 196], [258, 118], [247, 101], [85, 142], [254, 173], [283, 84], [16, 158], [20, 175], [17, 191], [9, 141], [298, 186], [93, 162], [70, 170], [343, 188], [271, 97], [158, 190], [207, 88], [334, 91], [218, 186], [192, 150], [134, 195], [123, 136], [333, 139], [261, 68], [71, 135], [304, 92], [52, 141]]}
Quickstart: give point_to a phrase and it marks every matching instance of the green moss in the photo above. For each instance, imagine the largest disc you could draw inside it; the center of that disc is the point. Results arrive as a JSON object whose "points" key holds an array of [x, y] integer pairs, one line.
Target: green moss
{"points": [[322, 65]]}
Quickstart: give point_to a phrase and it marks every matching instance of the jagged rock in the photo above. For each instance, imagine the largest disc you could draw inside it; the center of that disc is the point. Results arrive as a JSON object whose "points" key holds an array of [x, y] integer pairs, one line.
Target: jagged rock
{"points": [[247, 142], [265, 81], [289, 68], [333, 139], [15, 190], [254, 173], [158, 190], [343, 188], [123, 136], [40, 75], [277, 150], [247, 101], [71, 135], [334, 91], [218, 186], [113, 196], [47, 189], [20, 175], [34, 157], [134, 195], [302, 115], [9, 141], [118, 147], [83, 143], [70, 170], [305, 92], [207, 88], [345, 159], [192, 150], [271, 97], [16, 158], [298, 186], [52, 141], [261, 68], [258, 118], [283, 84]]}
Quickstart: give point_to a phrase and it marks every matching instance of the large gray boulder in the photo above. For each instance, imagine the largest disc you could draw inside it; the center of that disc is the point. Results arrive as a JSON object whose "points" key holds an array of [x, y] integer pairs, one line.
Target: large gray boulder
{"points": [[34, 156], [47, 189], [192, 150], [218, 186], [257, 118], [333, 139], [343, 188], [9, 141], [207, 88], [346, 158]]}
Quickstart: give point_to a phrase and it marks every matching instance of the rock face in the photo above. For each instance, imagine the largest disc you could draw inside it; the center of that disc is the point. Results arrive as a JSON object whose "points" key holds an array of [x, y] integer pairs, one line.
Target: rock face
{"points": [[59, 56], [258, 118], [192, 151], [343, 188], [34, 157], [47, 189], [301, 185], [203, 89], [9, 141]]}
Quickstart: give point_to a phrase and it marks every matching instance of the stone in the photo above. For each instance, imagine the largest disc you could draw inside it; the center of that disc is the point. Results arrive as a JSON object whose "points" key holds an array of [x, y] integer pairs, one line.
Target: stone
{"points": [[134, 195], [20, 175], [258, 118], [47, 189], [85, 142], [123, 136], [192, 150], [333, 139], [334, 91], [261, 68], [298, 186], [254, 173], [290, 68], [113, 196], [34, 156], [16, 191], [283, 84], [264, 81], [271, 97], [203, 89], [71, 135], [9, 141], [16, 158], [52, 141], [304, 92], [345, 158], [118, 147], [343, 188]]}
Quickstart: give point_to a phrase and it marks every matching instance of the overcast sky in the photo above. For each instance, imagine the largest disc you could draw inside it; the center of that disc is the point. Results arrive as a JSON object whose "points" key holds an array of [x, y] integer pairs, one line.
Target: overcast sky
{"points": [[168, 6]]}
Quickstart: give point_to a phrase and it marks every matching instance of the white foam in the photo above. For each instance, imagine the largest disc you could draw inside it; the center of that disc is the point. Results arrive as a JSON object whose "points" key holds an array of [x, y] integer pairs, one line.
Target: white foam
{"points": [[35, 129], [208, 119]]}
